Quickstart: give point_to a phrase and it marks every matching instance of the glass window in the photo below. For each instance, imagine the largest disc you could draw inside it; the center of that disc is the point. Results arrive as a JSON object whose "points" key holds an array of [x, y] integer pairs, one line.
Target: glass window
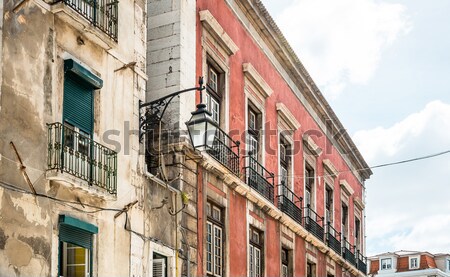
{"points": [[344, 220], [310, 269], [255, 254], [75, 256], [386, 263], [214, 93], [413, 263], [285, 262], [328, 204], [214, 240], [76, 261], [309, 186], [254, 123], [159, 265]]}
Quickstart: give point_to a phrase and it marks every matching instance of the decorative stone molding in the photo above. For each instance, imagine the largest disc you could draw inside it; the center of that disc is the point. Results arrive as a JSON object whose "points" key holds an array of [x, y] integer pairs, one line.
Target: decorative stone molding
{"points": [[345, 186], [254, 198], [359, 203], [255, 78], [329, 166], [287, 116], [311, 145], [212, 25]]}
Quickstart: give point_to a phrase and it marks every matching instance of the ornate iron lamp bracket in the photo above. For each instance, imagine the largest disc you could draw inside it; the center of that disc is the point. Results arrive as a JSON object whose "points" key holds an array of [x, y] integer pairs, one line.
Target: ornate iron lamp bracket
{"points": [[154, 110]]}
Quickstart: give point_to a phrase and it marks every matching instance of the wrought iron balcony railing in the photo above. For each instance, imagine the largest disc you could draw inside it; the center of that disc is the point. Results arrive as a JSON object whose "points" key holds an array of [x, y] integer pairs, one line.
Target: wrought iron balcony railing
{"points": [[77, 154], [313, 223], [348, 252], [103, 14], [361, 262], [257, 177], [289, 203], [333, 238], [225, 151]]}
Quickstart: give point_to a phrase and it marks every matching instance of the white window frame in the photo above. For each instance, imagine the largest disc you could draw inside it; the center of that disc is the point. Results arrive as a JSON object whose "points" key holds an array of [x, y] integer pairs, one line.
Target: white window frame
{"points": [[388, 265], [163, 267], [87, 257], [417, 259], [284, 270], [77, 142], [215, 240], [329, 217], [255, 261], [212, 79], [312, 196], [251, 101], [165, 251]]}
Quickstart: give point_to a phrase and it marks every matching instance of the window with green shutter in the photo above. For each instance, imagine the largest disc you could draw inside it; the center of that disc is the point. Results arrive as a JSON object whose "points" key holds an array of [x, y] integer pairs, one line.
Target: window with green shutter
{"points": [[75, 247], [78, 102]]}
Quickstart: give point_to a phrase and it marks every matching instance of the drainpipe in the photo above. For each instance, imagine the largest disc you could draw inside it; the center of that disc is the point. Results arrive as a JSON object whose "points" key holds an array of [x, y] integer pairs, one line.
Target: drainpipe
{"points": [[188, 259]]}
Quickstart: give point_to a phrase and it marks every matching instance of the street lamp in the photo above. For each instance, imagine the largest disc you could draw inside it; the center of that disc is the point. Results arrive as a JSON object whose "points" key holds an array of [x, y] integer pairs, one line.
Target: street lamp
{"points": [[201, 126]]}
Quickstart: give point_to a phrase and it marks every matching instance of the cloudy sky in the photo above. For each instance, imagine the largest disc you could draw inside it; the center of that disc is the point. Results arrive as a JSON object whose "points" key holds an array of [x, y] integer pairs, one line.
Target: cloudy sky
{"points": [[384, 66]]}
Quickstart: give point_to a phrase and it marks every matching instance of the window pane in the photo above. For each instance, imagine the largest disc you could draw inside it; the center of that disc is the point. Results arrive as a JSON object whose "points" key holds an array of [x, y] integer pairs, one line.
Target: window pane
{"points": [[251, 265], [218, 251], [284, 271], [208, 247], [75, 261], [257, 262], [215, 110]]}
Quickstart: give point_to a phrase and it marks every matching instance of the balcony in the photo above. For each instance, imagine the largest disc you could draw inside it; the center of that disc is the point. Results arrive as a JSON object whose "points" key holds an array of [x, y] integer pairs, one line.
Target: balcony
{"points": [[332, 238], [102, 14], [361, 262], [312, 223], [258, 178], [288, 203], [71, 152], [348, 252], [225, 151]]}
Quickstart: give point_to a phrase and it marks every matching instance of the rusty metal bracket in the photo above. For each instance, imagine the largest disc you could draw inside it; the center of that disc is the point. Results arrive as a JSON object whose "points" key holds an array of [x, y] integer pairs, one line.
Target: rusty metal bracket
{"points": [[23, 168], [125, 209]]}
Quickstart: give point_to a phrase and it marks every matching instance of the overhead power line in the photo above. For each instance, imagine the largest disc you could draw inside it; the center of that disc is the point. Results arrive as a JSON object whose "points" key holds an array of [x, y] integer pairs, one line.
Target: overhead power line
{"points": [[411, 160]]}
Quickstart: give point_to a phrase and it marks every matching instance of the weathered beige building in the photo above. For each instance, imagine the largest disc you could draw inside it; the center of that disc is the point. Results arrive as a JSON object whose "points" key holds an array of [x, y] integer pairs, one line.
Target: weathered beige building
{"points": [[74, 200]]}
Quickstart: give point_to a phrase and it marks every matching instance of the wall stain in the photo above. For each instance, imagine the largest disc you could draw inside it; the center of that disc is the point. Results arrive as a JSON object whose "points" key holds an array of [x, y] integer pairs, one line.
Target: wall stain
{"points": [[39, 245], [3, 239], [47, 80]]}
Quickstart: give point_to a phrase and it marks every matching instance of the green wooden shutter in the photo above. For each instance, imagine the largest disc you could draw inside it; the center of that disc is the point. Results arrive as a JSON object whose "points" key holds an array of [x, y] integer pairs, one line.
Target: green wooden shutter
{"points": [[78, 102], [75, 236], [75, 231]]}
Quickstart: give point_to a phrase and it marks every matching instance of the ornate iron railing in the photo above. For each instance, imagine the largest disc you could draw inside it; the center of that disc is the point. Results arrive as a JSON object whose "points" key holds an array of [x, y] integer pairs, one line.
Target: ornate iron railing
{"points": [[103, 14], [348, 252], [77, 154], [333, 238], [313, 223], [288, 203], [226, 151], [257, 177], [362, 262]]}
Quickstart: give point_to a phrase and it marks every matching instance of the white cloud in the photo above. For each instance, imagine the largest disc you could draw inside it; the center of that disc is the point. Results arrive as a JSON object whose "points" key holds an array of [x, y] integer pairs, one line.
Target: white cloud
{"points": [[407, 204], [341, 42], [430, 124]]}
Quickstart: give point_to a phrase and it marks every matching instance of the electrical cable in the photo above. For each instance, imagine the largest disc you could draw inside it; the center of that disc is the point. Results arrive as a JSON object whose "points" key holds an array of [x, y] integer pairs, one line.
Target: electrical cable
{"points": [[300, 176], [61, 201]]}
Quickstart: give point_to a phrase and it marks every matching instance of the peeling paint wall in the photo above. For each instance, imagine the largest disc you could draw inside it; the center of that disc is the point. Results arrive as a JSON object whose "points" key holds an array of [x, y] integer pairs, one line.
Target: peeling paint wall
{"points": [[36, 39]]}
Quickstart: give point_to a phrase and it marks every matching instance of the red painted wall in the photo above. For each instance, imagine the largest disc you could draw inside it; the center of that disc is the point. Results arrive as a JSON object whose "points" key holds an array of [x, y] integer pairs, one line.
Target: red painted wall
{"points": [[200, 223], [249, 51], [321, 264], [238, 235], [273, 248], [300, 257]]}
